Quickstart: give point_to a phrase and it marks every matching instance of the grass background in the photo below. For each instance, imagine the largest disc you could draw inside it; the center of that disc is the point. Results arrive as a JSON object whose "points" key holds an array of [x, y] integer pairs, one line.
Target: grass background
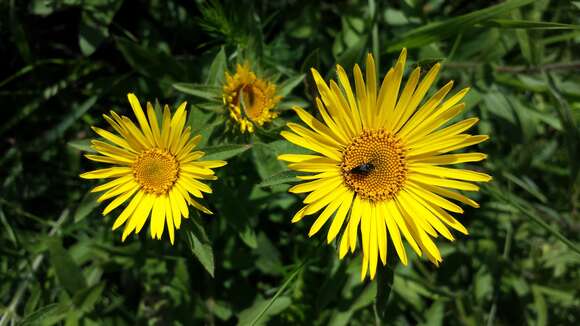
{"points": [[66, 62]]}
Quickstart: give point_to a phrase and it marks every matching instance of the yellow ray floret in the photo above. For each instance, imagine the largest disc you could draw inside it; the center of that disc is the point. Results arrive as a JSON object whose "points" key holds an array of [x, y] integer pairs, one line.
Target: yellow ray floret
{"points": [[155, 170], [380, 167]]}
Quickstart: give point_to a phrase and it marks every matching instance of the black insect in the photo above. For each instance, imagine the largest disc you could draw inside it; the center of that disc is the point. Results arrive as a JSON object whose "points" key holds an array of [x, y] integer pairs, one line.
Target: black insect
{"points": [[363, 169]]}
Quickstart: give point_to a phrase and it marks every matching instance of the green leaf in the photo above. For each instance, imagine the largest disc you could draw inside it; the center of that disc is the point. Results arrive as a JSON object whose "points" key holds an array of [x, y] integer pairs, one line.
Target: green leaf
{"points": [[54, 313], [527, 185], [483, 285], [248, 236], [200, 245], [217, 69], [434, 315], [385, 279], [541, 306], [365, 298], [268, 261], [68, 273], [352, 55], [96, 17], [211, 93], [571, 131], [435, 31], [265, 158], [497, 104], [86, 299], [151, 62], [86, 206], [83, 145], [224, 152], [265, 310], [76, 113], [514, 201], [8, 228], [527, 24], [279, 178], [248, 316], [289, 84]]}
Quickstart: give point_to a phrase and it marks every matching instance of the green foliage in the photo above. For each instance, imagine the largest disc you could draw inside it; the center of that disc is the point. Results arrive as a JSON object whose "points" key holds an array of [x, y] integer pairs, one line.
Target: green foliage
{"points": [[67, 62]]}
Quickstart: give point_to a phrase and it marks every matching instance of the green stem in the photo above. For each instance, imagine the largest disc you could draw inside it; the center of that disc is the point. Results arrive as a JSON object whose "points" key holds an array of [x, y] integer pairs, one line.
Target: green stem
{"points": [[284, 286]]}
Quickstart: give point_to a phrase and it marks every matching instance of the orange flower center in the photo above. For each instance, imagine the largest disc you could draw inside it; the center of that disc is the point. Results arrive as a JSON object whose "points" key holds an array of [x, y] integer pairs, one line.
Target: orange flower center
{"points": [[374, 166], [156, 170], [252, 100]]}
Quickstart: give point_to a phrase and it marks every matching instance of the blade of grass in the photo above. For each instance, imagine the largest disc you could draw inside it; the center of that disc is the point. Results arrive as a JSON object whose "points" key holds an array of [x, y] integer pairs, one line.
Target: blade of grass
{"points": [[527, 24], [280, 291], [439, 30], [513, 200], [285, 285], [569, 124]]}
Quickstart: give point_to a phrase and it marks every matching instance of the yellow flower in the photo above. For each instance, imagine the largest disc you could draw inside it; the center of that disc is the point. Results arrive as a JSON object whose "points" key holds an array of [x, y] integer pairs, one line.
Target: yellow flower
{"points": [[379, 162], [154, 169], [249, 99]]}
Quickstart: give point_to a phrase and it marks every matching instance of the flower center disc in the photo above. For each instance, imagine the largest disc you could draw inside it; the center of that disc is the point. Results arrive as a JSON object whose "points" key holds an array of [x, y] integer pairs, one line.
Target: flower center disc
{"points": [[254, 101], [156, 170], [373, 165]]}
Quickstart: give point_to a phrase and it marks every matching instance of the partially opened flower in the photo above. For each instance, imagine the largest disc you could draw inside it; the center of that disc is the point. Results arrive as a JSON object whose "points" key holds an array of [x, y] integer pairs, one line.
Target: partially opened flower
{"points": [[155, 169], [378, 170], [250, 100]]}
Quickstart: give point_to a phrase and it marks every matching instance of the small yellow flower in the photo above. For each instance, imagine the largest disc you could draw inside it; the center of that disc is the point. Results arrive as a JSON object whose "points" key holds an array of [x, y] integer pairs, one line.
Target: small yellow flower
{"points": [[249, 99], [154, 169], [378, 165]]}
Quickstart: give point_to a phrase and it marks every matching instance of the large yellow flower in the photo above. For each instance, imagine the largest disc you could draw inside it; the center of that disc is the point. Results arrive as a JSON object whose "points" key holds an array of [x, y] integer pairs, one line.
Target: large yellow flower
{"points": [[155, 169], [249, 99], [379, 162]]}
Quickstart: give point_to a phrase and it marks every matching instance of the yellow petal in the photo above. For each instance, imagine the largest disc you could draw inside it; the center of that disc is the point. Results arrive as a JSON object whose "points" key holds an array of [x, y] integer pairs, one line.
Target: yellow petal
{"points": [[136, 106], [312, 144], [111, 184], [393, 230], [416, 206], [395, 215], [340, 216], [320, 184], [139, 216], [157, 217], [324, 201], [113, 138], [401, 114], [120, 200], [425, 110], [169, 220], [418, 95], [155, 131], [345, 84], [317, 194], [118, 190], [382, 237], [446, 183], [374, 243], [343, 245], [459, 174], [107, 173], [296, 158], [434, 199], [324, 216], [128, 211], [355, 217], [450, 159], [361, 96], [371, 83]]}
